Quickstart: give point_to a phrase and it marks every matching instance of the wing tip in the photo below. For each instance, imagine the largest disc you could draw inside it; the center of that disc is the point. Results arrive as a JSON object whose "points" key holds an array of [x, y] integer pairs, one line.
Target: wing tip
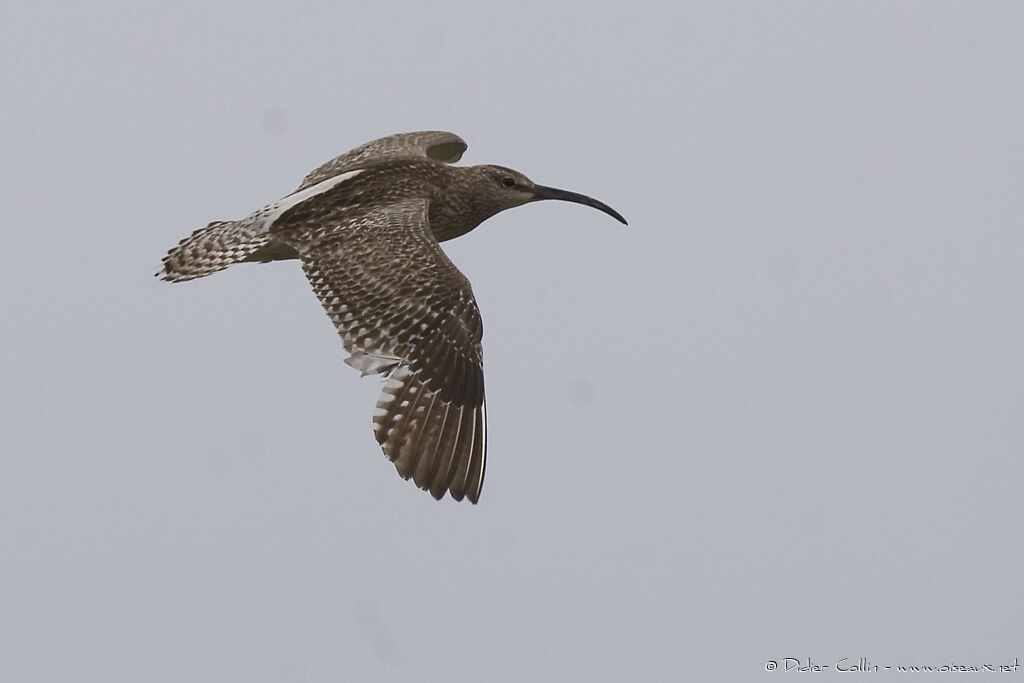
{"points": [[395, 418]]}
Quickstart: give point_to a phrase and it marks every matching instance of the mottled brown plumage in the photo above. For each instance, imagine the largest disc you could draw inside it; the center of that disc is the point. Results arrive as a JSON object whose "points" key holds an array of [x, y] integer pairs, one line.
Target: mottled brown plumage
{"points": [[366, 227]]}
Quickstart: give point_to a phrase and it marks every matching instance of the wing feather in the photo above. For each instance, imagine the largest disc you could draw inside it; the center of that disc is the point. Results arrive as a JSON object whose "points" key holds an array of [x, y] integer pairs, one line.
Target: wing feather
{"points": [[431, 144], [402, 309]]}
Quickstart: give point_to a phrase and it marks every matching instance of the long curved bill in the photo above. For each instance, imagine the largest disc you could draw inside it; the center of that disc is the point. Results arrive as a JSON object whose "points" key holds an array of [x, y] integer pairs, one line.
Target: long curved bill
{"points": [[543, 192]]}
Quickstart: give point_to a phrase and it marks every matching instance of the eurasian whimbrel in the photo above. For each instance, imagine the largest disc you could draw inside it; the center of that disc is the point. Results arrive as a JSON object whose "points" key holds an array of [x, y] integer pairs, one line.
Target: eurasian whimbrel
{"points": [[366, 227]]}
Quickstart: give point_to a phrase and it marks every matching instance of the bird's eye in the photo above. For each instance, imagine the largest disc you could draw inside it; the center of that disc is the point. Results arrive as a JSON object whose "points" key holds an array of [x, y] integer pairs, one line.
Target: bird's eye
{"points": [[508, 181]]}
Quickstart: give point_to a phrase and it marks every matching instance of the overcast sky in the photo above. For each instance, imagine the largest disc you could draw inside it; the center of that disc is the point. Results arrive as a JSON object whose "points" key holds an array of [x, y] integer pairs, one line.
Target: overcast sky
{"points": [[779, 415]]}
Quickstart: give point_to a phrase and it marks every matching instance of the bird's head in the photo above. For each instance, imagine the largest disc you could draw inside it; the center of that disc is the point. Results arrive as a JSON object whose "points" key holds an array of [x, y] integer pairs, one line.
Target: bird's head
{"points": [[475, 193], [505, 188]]}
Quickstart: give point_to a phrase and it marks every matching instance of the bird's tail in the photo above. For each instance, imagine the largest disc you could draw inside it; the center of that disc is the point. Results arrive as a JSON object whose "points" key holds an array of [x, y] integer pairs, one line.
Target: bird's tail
{"points": [[210, 249]]}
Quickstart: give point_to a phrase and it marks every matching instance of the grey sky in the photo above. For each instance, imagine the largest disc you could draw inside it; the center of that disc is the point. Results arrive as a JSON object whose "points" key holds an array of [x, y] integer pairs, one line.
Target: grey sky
{"points": [[779, 415]]}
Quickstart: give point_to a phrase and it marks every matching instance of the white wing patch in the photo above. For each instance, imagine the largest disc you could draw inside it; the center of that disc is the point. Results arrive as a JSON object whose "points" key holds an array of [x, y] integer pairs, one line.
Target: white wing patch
{"points": [[264, 218], [372, 363]]}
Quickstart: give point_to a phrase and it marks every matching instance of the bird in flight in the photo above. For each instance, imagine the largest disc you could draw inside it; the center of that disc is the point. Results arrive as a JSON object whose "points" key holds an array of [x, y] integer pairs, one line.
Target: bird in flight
{"points": [[365, 227]]}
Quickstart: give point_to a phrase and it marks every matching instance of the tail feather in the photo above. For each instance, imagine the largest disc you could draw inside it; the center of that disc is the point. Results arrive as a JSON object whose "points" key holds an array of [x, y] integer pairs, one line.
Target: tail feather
{"points": [[210, 249]]}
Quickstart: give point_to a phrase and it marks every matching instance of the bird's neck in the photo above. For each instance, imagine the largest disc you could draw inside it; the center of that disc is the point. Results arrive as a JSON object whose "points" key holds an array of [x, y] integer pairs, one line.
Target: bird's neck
{"points": [[455, 210]]}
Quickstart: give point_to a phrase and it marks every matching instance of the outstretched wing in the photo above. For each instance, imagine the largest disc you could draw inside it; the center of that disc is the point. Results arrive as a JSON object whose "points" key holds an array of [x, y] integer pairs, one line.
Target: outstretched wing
{"points": [[432, 144], [402, 308]]}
